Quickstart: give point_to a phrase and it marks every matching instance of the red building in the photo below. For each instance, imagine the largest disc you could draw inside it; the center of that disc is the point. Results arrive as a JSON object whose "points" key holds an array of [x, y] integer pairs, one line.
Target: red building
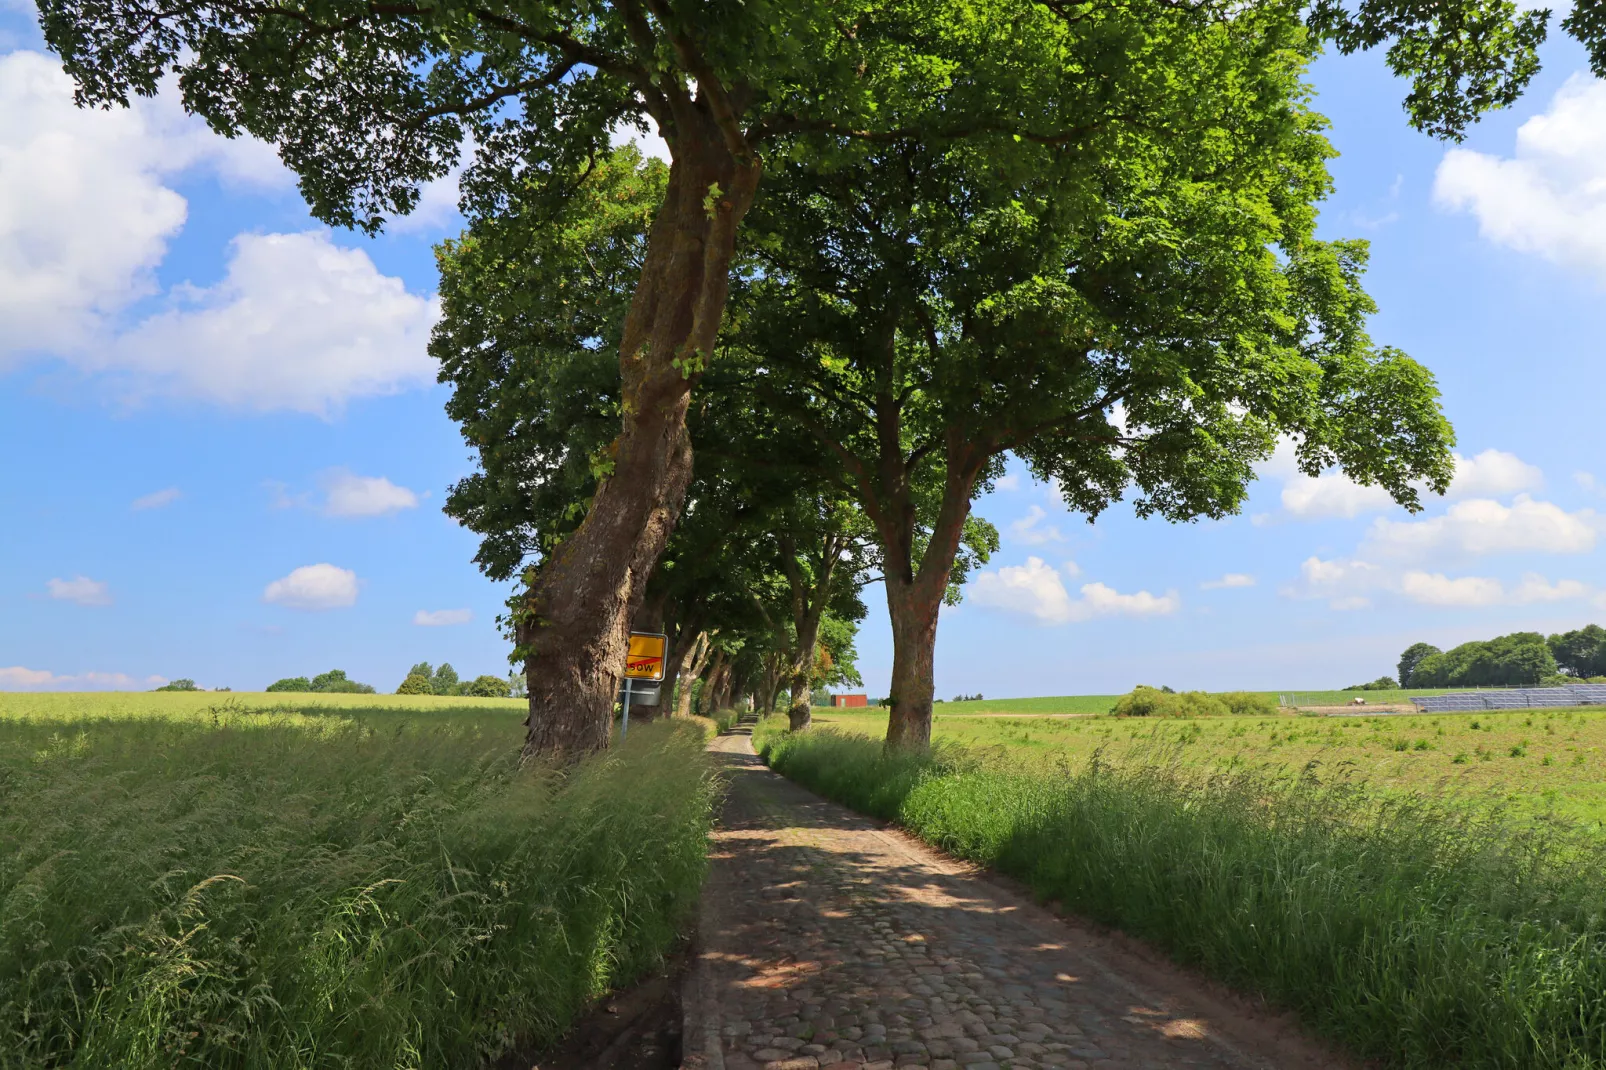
{"points": [[843, 701]]}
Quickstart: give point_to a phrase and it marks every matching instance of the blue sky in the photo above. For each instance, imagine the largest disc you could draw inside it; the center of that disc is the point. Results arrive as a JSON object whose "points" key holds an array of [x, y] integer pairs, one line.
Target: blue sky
{"points": [[226, 452]]}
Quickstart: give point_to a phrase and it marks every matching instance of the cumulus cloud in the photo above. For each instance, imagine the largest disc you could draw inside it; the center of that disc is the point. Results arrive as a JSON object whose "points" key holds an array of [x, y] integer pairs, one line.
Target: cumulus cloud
{"points": [[156, 499], [297, 323], [86, 215], [80, 590], [1009, 481], [314, 587], [1036, 590], [1031, 531], [1549, 197], [85, 211], [1231, 579], [348, 494], [1437, 589], [440, 618], [1484, 526], [1333, 494], [18, 678]]}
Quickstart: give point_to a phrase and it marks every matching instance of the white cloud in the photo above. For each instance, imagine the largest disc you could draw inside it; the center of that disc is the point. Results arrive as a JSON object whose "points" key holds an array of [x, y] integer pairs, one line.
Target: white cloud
{"points": [[439, 618], [1011, 481], [650, 143], [1334, 494], [1349, 602], [1587, 481], [1036, 590], [297, 323], [1549, 198], [1493, 473], [1534, 588], [348, 494], [1484, 526], [1027, 530], [85, 214], [80, 590], [1231, 579], [17, 678], [156, 499], [436, 209], [1437, 589], [321, 586]]}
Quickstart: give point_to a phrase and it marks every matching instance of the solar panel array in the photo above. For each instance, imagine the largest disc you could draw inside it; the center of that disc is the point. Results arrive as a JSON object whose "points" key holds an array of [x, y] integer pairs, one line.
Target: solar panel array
{"points": [[1518, 698]]}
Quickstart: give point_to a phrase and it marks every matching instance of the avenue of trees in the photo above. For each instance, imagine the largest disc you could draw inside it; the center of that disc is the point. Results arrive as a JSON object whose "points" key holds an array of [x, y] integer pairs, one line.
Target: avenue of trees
{"points": [[895, 242]]}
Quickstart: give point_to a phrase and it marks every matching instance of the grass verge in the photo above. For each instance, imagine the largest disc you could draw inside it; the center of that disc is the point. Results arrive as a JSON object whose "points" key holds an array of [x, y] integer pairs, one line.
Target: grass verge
{"points": [[346, 889], [1417, 933]]}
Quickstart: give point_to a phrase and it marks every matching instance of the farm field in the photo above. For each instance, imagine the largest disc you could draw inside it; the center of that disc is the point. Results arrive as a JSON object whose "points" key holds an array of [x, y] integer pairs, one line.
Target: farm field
{"points": [[232, 880], [1532, 762]]}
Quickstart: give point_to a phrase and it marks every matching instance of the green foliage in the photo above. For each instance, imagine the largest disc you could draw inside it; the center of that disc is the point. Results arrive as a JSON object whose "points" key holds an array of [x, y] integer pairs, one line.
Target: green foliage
{"points": [[335, 681], [1248, 703], [1382, 683], [1519, 658], [487, 687], [181, 684], [291, 683], [383, 888], [445, 681], [1144, 701], [1415, 934], [417, 683], [1581, 652], [1411, 659]]}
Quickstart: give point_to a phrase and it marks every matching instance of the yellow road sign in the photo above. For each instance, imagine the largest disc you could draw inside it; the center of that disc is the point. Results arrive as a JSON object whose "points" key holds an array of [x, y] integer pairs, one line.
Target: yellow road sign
{"points": [[646, 658]]}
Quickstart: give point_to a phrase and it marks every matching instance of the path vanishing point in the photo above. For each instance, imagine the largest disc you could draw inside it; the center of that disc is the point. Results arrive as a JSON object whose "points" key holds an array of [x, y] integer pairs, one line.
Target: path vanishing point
{"points": [[828, 939]]}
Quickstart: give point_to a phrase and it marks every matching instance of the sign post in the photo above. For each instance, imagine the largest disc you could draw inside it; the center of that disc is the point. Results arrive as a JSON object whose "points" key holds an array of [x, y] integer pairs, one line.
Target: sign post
{"points": [[645, 661]]}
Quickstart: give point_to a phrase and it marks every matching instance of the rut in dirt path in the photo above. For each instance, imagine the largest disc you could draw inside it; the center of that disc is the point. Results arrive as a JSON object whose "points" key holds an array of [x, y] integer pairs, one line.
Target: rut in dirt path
{"points": [[828, 940]]}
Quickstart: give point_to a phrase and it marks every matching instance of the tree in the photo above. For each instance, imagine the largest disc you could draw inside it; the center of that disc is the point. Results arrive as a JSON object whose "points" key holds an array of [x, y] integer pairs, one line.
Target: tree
{"points": [[1411, 659], [365, 102], [1581, 652], [291, 683], [336, 681], [1521, 658], [178, 685], [487, 687], [922, 313], [416, 683], [445, 681]]}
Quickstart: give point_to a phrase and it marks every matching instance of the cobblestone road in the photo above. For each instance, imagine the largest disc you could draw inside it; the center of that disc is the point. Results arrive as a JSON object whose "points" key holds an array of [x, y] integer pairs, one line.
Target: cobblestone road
{"points": [[829, 941]]}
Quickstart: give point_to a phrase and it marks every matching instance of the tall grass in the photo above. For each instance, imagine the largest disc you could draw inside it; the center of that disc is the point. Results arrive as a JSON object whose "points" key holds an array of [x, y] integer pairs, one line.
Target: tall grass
{"points": [[349, 889], [1417, 934]]}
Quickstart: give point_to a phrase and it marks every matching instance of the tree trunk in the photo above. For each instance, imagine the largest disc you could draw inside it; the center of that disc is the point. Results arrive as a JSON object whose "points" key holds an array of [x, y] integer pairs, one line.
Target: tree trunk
{"points": [[574, 628], [914, 615], [801, 713], [705, 701], [695, 659]]}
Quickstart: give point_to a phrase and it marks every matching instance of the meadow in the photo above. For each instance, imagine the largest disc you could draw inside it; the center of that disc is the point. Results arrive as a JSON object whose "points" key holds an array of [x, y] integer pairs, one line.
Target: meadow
{"points": [[1424, 891], [1533, 763], [324, 880], [1084, 705]]}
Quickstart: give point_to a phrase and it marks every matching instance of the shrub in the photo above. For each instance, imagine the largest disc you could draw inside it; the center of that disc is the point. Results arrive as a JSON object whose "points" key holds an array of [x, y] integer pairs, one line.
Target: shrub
{"points": [[1153, 702], [285, 891], [487, 687], [335, 681], [178, 685], [1415, 934], [291, 683], [1249, 703]]}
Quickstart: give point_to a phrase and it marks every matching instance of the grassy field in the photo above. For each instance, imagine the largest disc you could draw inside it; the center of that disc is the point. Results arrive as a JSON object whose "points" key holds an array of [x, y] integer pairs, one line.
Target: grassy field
{"points": [[1090, 704], [323, 880], [1378, 896], [1549, 763]]}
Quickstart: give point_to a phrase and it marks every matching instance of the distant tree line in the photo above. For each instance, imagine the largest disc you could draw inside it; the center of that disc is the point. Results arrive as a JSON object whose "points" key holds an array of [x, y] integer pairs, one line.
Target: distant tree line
{"points": [[1518, 659], [425, 679], [334, 681]]}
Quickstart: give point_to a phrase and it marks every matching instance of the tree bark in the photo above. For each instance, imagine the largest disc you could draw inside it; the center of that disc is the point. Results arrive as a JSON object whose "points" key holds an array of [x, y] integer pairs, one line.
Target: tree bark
{"points": [[705, 700], [574, 629], [691, 668], [914, 612]]}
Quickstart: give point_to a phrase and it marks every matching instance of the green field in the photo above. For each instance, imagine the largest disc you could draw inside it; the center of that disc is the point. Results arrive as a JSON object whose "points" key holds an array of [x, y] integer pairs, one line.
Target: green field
{"points": [[324, 880], [1538, 762], [1086, 704]]}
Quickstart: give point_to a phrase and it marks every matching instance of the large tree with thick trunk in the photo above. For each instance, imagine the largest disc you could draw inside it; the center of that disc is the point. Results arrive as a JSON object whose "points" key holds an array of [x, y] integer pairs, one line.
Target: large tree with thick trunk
{"points": [[366, 101], [1154, 326]]}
